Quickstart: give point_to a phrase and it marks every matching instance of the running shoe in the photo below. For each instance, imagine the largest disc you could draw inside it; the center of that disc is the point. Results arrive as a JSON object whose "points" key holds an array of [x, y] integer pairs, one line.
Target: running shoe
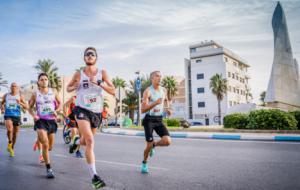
{"points": [[10, 150], [50, 173], [97, 182], [144, 168], [74, 146], [78, 154]]}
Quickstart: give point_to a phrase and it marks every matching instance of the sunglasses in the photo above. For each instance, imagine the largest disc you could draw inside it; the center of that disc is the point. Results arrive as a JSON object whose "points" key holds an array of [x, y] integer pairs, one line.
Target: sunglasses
{"points": [[90, 53]]}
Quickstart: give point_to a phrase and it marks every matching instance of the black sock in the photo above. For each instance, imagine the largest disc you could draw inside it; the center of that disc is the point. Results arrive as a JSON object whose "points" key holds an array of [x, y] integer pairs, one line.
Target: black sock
{"points": [[144, 162], [153, 146], [9, 142], [48, 166]]}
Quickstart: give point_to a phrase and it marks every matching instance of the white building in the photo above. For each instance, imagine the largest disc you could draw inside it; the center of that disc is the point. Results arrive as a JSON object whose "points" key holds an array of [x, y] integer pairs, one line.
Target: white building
{"points": [[178, 102], [206, 60]]}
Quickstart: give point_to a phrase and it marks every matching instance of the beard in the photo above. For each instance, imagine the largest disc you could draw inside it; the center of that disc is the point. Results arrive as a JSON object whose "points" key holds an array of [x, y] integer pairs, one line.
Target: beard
{"points": [[90, 63]]}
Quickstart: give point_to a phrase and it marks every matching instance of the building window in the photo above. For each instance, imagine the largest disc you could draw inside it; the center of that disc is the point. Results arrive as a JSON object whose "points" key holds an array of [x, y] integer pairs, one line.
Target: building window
{"points": [[237, 91], [237, 77], [193, 50], [229, 88], [233, 75], [229, 74], [234, 89], [200, 76], [226, 59], [200, 90], [201, 104], [198, 60]]}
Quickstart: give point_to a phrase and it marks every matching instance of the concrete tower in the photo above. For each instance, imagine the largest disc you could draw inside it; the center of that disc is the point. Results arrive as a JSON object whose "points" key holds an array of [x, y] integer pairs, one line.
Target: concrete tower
{"points": [[284, 84]]}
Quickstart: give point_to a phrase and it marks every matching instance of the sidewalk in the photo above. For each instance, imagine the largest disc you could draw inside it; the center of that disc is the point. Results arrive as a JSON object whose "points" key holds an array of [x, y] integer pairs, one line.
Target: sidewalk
{"points": [[213, 135]]}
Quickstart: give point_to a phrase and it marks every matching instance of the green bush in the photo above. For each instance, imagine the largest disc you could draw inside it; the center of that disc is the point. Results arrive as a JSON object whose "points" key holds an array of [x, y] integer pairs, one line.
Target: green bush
{"points": [[296, 114], [271, 119], [171, 122], [236, 120]]}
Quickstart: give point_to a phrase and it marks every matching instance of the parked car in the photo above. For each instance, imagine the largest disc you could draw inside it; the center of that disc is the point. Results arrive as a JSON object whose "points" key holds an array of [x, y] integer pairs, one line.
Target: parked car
{"points": [[195, 123]]}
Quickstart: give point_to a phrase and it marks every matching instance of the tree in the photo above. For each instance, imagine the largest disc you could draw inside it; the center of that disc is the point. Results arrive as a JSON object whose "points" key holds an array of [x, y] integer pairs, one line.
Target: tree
{"points": [[3, 83], [47, 66], [130, 101], [118, 83], [218, 86], [169, 83], [262, 98]]}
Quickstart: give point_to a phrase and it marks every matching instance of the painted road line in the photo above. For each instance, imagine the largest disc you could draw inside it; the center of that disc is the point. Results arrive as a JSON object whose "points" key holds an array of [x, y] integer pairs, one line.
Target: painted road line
{"points": [[114, 163]]}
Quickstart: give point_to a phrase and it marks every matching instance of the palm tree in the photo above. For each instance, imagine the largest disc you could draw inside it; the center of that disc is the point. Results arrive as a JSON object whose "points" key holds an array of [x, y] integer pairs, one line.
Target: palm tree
{"points": [[218, 86], [262, 98], [169, 83], [47, 66], [130, 101], [118, 83], [3, 83]]}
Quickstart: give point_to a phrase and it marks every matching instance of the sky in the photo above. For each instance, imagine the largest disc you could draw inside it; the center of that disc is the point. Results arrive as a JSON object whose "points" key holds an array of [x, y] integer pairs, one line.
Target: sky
{"points": [[138, 35]]}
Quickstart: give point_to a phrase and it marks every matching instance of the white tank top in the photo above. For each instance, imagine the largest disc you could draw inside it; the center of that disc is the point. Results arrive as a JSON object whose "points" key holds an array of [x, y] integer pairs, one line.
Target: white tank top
{"points": [[12, 108], [155, 95], [45, 104], [89, 95]]}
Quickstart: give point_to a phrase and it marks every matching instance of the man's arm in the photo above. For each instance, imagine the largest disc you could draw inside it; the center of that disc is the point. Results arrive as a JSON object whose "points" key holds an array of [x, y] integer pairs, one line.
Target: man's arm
{"points": [[31, 106], [108, 86], [58, 101], [145, 102], [74, 83], [23, 103]]}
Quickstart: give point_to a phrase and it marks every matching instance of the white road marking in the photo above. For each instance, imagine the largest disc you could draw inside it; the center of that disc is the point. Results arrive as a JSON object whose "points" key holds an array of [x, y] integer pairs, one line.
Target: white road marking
{"points": [[115, 163]]}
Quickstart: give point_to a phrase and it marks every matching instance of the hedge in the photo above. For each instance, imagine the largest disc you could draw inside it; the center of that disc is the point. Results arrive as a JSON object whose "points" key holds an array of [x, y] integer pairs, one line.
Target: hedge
{"points": [[237, 120], [272, 119], [171, 122], [297, 117]]}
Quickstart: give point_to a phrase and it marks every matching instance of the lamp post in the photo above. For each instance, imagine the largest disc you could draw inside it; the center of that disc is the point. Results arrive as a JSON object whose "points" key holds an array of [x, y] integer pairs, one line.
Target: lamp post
{"points": [[138, 86]]}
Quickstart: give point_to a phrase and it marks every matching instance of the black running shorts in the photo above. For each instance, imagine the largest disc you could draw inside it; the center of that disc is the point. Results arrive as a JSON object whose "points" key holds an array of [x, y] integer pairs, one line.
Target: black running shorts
{"points": [[48, 125], [15, 120], [84, 114], [155, 123]]}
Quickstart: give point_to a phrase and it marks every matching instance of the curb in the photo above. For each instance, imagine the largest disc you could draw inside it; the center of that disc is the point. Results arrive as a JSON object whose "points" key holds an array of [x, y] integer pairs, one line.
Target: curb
{"points": [[218, 136]]}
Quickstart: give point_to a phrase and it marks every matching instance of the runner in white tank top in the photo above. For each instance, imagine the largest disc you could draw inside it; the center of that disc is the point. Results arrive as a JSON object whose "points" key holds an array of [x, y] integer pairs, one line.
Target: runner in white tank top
{"points": [[89, 84], [153, 104], [11, 107], [47, 105]]}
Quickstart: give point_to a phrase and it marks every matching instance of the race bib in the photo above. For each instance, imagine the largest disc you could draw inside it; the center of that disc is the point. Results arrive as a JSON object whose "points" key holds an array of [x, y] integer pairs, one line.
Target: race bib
{"points": [[46, 110], [93, 101], [12, 106]]}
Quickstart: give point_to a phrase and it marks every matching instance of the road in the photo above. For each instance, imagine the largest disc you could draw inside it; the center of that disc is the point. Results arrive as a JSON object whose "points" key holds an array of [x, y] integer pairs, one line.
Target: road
{"points": [[188, 164]]}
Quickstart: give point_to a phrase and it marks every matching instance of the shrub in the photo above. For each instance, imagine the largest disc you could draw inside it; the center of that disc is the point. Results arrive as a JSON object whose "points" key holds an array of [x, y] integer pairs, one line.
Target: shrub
{"points": [[271, 119], [296, 114], [171, 122], [236, 120]]}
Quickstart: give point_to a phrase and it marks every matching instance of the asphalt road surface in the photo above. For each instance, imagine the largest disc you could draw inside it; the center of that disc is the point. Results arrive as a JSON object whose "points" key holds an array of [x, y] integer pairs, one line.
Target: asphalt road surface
{"points": [[187, 164]]}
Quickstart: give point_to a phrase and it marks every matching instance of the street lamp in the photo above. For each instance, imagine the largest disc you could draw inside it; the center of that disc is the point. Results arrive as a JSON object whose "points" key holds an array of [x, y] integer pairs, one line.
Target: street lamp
{"points": [[138, 87]]}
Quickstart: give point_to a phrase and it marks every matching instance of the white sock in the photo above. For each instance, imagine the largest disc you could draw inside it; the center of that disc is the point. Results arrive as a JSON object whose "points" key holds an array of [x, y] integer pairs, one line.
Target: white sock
{"points": [[92, 169]]}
